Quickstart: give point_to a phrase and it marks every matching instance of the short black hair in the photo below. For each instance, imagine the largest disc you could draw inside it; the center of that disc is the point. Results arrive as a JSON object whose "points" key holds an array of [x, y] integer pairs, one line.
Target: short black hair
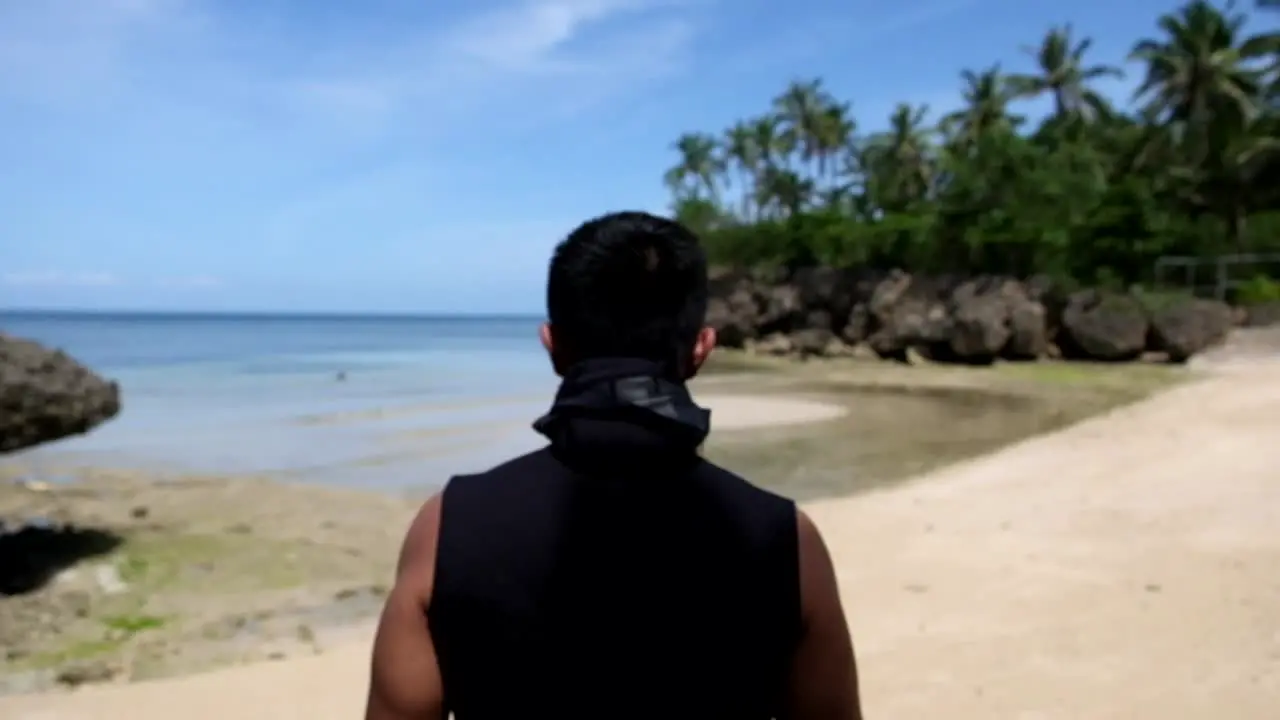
{"points": [[628, 284]]}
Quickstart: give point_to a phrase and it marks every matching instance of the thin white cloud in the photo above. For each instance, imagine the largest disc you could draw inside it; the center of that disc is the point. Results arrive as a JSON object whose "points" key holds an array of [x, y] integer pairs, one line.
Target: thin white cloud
{"points": [[523, 62], [47, 278], [153, 53], [527, 38]]}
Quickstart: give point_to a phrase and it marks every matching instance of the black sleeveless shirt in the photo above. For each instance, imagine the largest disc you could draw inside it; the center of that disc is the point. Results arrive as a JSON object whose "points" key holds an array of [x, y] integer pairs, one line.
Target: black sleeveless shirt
{"points": [[615, 574]]}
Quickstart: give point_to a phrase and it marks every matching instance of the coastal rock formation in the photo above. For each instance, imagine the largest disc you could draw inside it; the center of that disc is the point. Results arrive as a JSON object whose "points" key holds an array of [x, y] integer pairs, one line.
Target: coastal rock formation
{"points": [[1189, 327], [971, 320], [45, 395]]}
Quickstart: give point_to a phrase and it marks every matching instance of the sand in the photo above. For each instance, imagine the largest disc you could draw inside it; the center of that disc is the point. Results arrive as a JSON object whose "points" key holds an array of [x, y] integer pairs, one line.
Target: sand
{"points": [[742, 412], [1126, 567]]}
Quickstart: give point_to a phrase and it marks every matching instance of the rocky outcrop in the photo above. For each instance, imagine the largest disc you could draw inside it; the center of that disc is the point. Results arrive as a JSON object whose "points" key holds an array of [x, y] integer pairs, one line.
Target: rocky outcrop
{"points": [[45, 395], [1189, 327], [971, 320]]}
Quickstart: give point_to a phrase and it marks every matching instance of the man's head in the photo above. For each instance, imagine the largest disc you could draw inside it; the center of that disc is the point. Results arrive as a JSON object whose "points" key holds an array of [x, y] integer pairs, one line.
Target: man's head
{"points": [[630, 285]]}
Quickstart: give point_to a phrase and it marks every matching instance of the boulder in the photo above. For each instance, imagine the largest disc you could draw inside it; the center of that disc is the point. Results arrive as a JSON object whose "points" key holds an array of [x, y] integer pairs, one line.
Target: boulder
{"points": [[774, 344], [994, 317], [1103, 326], [1052, 296], [812, 342], [734, 324], [733, 309], [45, 395], [906, 313], [1189, 326], [1263, 314], [979, 331], [1028, 331], [780, 308]]}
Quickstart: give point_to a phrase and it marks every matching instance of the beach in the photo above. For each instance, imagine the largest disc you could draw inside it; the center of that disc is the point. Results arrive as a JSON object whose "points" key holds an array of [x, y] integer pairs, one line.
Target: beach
{"points": [[1124, 567], [997, 558]]}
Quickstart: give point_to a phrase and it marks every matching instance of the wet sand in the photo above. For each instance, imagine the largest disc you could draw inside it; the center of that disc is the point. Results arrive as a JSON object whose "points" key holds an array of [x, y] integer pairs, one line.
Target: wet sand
{"points": [[1124, 567]]}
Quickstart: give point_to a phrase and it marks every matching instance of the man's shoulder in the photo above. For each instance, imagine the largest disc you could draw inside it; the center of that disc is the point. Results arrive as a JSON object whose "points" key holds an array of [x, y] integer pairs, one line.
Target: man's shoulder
{"points": [[742, 487], [514, 487], [522, 466]]}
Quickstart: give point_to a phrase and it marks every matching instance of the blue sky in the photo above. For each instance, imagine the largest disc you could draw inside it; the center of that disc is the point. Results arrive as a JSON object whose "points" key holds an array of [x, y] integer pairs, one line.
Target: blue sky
{"points": [[414, 155]]}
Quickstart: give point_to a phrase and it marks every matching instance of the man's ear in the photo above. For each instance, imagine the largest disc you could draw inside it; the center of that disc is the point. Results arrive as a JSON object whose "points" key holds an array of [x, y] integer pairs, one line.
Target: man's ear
{"points": [[548, 339], [702, 347]]}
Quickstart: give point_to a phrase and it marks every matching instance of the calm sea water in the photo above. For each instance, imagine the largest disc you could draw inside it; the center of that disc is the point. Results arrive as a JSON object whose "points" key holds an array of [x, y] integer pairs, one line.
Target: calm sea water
{"points": [[422, 398]]}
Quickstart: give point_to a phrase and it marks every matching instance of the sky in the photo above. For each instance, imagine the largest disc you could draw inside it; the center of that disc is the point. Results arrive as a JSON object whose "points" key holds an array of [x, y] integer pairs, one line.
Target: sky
{"points": [[417, 155]]}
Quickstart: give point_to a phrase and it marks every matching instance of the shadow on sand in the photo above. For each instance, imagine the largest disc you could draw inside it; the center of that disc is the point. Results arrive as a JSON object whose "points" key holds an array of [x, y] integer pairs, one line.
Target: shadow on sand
{"points": [[34, 554]]}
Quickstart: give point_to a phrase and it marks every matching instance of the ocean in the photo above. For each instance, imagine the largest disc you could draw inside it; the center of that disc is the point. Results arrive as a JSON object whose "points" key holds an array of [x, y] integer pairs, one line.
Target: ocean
{"points": [[382, 402]]}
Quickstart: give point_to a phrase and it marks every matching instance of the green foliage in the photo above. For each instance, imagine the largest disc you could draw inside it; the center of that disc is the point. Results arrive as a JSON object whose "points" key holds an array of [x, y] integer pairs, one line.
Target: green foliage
{"points": [[1156, 300], [1257, 290], [1092, 193]]}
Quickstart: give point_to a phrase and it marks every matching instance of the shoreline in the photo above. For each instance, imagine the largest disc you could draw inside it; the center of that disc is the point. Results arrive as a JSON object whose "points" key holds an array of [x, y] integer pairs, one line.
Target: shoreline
{"points": [[344, 540]]}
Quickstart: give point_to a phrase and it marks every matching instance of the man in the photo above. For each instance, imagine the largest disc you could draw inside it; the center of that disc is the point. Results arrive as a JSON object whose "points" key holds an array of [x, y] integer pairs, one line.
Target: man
{"points": [[615, 573]]}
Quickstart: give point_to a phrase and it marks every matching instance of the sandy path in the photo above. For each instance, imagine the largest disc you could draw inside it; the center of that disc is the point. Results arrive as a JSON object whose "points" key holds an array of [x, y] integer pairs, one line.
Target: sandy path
{"points": [[1128, 567]]}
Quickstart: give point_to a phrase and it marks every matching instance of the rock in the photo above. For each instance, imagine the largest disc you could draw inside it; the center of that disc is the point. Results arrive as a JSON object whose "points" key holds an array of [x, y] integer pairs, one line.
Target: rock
{"points": [[1028, 331], [45, 395], [780, 309], [1240, 316], [774, 344], [831, 312], [905, 314], [812, 342], [733, 329], [733, 309], [88, 671], [1263, 314], [1052, 296], [831, 292], [979, 323], [857, 325], [839, 348], [1103, 326], [1188, 327]]}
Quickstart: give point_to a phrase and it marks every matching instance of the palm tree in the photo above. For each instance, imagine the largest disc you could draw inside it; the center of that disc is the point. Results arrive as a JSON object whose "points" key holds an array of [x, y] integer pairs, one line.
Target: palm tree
{"points": [[784, 192], [742, 151], [986, 97], [1063, 73], [836, 127], [801, 108], [899, 161], [1200, 76], [766, 133], [769, 145], [1205, 84], [698, 167]]}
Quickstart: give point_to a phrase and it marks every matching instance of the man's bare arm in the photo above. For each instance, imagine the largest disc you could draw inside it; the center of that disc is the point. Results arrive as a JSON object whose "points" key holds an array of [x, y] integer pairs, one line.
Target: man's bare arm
{"points": [[824, 676], [405, 679]]}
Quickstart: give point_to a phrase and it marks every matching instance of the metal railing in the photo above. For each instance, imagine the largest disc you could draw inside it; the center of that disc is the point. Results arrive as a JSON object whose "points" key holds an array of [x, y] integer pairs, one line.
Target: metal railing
{"points": [[1214, 276]]}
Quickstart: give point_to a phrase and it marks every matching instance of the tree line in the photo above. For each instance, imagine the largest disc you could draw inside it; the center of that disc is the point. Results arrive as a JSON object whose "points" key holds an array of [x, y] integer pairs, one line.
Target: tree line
{"points": [[1096, 192]]}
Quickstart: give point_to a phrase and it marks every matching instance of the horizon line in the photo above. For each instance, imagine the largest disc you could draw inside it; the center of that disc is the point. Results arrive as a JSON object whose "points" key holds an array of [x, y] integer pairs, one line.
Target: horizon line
{"points": [[264, 314]]}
